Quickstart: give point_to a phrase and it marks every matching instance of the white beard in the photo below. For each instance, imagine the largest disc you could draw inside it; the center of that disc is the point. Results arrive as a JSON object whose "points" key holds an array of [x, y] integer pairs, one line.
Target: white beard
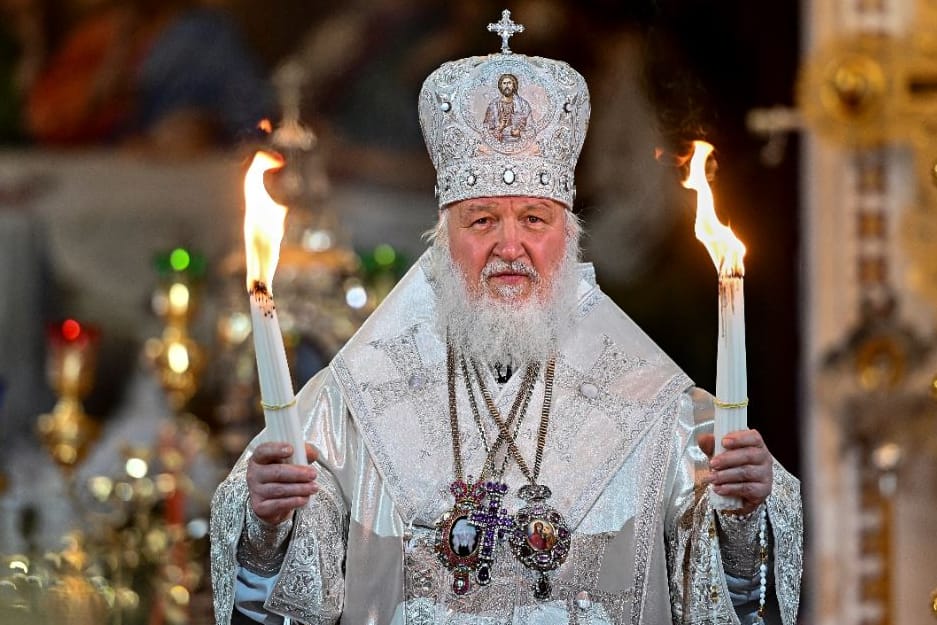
{"points": [[504, 330]]}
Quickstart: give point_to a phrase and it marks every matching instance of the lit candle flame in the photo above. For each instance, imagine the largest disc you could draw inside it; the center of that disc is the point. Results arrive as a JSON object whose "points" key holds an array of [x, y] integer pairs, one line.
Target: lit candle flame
{"points": [[263, 222], [723, 246]]}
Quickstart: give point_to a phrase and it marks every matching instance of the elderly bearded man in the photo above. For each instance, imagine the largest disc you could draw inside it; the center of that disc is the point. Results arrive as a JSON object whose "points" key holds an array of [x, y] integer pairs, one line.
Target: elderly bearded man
{"points": [[499, 443]]}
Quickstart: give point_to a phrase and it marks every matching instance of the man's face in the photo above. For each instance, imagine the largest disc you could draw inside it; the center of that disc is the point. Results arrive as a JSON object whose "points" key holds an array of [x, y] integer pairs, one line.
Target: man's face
{"points": [[507, 247], [507, 86]]}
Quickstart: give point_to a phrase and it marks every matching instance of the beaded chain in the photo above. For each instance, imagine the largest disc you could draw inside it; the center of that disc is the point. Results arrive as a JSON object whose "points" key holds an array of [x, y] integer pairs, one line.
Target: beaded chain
{"points": [[763, 566]]}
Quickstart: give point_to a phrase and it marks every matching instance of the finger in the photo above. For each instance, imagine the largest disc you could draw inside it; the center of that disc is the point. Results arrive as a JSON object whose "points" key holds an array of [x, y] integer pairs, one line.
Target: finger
{"points": [[288, 473], [280, 491], [742, 438], [270, 453], [740, 456], [742, 474], [752, 492], [707, 442], [275, 511]]}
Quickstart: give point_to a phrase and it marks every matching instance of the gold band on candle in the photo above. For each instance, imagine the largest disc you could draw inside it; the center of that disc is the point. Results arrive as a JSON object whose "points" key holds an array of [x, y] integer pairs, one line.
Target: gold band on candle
{"points": [[726, 404], [277, 406]]}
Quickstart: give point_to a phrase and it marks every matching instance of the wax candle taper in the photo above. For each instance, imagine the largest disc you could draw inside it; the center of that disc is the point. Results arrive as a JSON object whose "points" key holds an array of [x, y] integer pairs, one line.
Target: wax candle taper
{"points": [[263, 231], [726, 251]]}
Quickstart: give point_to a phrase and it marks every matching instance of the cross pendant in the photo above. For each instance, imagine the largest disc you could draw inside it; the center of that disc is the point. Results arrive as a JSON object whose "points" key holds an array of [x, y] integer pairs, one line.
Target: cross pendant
{"points": [[493, 523]]}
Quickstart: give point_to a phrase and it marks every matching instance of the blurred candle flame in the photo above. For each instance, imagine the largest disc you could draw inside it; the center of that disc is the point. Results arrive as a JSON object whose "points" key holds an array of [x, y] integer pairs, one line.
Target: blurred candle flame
{"points": [[723, 246], [263, 222]]}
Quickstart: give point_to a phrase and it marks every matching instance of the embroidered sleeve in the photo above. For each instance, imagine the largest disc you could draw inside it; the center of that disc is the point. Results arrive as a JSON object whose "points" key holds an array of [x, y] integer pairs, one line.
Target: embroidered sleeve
{"points": [[738, 539], [262, 545], [700, 566], [315, 535]]}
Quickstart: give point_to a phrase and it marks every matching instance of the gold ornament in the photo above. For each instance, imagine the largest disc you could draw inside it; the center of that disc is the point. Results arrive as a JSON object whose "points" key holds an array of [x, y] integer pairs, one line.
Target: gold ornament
{"points": [[867, 90], [844, 90], [67, 431], [177, 358], [881, 363], [919, 240]]}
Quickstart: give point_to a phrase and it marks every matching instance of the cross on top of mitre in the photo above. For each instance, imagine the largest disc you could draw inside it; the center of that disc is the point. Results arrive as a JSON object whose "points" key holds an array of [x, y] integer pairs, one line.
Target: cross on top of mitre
{"points": [[505, 29]]}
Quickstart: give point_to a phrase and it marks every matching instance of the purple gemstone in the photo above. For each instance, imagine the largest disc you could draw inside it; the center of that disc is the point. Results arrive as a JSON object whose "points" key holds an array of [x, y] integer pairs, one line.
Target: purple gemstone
{"points": [[542, 589]]}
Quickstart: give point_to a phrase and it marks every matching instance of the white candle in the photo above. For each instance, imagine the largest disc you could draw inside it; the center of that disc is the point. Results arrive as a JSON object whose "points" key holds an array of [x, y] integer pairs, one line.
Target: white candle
{"points": [[263, 231], [276, 387], [731, 373], [726, 251]]}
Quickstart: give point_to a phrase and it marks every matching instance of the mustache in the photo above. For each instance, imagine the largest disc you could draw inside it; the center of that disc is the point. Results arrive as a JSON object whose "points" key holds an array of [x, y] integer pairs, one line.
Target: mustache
{"points": [[497, 265]]}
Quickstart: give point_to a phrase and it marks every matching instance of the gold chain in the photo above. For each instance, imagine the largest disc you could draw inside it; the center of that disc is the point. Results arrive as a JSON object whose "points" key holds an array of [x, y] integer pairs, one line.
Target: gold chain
{"points": [[503, 427]]}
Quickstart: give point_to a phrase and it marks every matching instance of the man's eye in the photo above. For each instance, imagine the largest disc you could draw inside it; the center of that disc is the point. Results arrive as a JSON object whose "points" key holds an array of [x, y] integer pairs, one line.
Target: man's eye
{"points": [[533, 219], [481, 221]]}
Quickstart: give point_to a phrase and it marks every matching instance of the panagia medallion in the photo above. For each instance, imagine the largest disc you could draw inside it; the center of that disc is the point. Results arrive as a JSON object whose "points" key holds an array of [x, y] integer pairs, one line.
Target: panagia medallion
{"points": [[457, 538], [541, 537]]}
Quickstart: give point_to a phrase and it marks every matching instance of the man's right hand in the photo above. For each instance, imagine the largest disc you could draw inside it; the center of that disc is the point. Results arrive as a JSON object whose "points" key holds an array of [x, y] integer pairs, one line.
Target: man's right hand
{"points": [[277, 487]]}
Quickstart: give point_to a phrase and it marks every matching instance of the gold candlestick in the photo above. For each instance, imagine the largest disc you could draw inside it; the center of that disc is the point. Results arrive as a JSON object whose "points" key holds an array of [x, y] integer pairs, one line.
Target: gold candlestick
{"points": [[67, 431], [177, 358]]}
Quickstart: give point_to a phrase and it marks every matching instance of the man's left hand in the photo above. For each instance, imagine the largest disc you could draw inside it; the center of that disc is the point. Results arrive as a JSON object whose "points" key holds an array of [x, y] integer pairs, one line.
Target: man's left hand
{"points": [[743, 469]]}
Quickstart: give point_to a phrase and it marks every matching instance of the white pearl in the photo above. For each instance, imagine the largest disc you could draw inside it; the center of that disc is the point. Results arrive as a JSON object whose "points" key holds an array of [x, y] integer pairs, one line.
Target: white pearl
{"points": [[588, 389]]}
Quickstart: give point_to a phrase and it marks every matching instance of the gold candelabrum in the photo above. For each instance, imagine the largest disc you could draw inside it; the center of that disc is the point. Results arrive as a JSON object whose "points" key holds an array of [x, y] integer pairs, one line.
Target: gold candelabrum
{"points": [[136, 558], [67, 431], [178, 361], [176, 357], [138, 549]]}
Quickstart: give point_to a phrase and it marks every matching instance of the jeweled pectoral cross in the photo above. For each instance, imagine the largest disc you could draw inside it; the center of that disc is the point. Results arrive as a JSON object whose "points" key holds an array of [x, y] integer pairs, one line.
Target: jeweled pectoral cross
{"points": [[493, 523], [506, 29]]}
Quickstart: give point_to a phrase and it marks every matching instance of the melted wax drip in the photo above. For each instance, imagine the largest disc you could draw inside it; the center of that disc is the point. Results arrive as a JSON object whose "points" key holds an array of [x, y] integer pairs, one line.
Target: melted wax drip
{"points": [[263, 298]]}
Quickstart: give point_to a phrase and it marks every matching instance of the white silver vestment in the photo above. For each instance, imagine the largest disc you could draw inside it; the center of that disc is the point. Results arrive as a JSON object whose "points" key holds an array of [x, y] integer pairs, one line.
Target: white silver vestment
{"points": [[621, 460]]}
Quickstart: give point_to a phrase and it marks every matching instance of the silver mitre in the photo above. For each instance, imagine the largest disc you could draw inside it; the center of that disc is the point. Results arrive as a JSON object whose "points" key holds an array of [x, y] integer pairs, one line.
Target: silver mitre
{"points": [[504, 124]]}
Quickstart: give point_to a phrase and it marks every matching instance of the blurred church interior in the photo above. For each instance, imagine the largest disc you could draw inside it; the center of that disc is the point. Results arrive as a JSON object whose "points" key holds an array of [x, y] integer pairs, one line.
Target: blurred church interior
{"points": [[127, 381]]}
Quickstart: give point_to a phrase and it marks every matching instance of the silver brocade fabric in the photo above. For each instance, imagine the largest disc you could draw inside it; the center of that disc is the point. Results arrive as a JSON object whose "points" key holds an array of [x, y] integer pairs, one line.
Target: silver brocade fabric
{"points": [[621, 460]]}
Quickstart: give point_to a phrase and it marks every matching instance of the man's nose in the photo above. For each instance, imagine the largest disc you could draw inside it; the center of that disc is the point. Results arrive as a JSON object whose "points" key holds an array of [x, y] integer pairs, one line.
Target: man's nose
{"points": [[510, 244]]}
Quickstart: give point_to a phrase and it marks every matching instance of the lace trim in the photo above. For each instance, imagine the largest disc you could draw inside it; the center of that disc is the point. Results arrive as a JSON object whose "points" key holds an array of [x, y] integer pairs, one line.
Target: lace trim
{"points": [[647, 517], [227, 522], [785, 515]]}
